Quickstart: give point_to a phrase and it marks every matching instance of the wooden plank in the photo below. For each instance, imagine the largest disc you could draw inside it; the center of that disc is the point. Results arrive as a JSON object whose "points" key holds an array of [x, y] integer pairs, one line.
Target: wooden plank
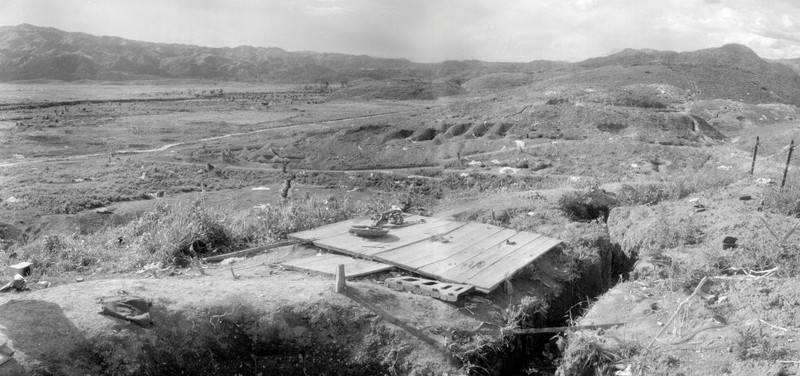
{"points": [[439, 268], [251, 251], [329, 229], [339, 228], [489, 256], [369, 247], [490, 277], [427, 252], [327, 263]]}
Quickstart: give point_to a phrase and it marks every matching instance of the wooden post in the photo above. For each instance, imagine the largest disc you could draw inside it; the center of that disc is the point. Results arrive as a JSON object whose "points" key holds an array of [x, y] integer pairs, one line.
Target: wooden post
{"points": [[755, 152], [340, 284], [788, 159]]}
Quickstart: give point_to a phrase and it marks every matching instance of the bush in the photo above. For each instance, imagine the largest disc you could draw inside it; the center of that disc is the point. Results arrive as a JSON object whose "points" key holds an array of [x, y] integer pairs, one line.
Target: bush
{"points": [[784, 201], [588, 205]]}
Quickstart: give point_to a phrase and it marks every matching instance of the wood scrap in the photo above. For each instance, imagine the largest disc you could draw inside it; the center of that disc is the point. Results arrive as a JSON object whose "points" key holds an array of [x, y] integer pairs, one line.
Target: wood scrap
{"points": [[678, 311], [251, 251], [559, 329]]}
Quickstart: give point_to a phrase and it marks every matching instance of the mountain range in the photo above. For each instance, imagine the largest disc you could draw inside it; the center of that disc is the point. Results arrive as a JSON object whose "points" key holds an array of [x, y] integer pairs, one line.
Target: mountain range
{"points": [[732, 71]]}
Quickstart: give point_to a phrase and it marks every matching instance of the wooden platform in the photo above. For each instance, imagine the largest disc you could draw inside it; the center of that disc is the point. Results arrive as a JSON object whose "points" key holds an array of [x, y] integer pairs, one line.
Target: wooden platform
{"points": [[327, 263], [458, 252]]}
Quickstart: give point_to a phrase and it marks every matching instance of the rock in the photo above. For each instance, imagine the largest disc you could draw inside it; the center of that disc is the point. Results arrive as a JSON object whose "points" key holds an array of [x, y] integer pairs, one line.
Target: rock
{"points": [[729, 242], [79, 279]]}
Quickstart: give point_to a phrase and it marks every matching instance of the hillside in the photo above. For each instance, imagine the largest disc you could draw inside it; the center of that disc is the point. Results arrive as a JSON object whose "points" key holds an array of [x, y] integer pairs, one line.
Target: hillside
{"points": [[732, 72], [29, 52]]}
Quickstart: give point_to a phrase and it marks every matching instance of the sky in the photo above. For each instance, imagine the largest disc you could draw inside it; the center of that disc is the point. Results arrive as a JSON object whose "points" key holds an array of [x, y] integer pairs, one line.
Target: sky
{"points": [[433, 30]]}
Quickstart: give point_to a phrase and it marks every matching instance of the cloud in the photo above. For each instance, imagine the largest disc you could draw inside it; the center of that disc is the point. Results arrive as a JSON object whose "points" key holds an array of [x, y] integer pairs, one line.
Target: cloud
{"points": [[428, 31]]}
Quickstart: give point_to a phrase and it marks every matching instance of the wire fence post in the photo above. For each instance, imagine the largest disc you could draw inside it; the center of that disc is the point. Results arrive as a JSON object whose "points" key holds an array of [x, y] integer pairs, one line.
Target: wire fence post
{"points": [[755, 152], [788, 159]]}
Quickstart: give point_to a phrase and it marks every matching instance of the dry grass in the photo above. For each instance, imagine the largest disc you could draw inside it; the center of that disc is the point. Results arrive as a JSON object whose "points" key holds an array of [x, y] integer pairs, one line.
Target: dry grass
{"points": [[186, 229], [591, 355]]}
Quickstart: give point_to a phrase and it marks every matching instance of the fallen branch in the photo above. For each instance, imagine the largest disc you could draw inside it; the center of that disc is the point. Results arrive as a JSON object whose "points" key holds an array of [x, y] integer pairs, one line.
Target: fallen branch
{"points": [[520, 111], [788, 234], [773, 326], [696, 331], [559, 329], [677, 311], [769, 229], [251, 251]]}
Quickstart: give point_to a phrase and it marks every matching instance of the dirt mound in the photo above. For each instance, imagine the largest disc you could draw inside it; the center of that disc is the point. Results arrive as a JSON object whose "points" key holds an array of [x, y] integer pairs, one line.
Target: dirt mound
{"points": [[303, 326], [397, 89]]}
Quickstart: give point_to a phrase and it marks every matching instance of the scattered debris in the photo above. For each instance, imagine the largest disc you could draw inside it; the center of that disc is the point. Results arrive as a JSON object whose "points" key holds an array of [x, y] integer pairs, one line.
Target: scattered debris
{"points": [[105, 210], [475, 164], [393, 216], [445, 291], [18, 284], [13, 199], [368, 231], [509, 170], [128, 307], [23, 268], [764, 181], [260, 188], [79, 279], [725, 168]]}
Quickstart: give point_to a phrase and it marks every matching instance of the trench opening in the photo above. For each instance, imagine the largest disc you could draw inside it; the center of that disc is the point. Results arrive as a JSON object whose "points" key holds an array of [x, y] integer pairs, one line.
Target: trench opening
{"points": [[540, 354]]}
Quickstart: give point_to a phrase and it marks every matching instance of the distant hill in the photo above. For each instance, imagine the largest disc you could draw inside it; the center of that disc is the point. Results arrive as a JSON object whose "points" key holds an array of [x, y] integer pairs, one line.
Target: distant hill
{"points": [[732, 71], [29, 52]]}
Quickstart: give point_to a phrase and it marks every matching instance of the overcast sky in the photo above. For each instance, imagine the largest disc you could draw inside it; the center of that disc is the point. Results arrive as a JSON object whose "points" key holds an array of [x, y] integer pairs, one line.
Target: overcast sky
{"points": [[433, 30]]}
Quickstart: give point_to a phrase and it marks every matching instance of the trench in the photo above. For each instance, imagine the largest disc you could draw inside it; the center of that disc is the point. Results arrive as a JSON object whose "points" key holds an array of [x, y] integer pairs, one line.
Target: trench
{"points": [[540, 354], [323, 338]]}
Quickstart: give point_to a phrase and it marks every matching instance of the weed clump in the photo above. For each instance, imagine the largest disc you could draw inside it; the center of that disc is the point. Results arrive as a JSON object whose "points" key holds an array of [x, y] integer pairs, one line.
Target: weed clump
{"points": [[587, 206], [185, 230]]}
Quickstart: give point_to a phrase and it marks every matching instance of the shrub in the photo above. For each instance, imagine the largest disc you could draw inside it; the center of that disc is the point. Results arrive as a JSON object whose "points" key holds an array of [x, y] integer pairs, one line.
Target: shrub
{"points": [[587, 205], [784, 201]]}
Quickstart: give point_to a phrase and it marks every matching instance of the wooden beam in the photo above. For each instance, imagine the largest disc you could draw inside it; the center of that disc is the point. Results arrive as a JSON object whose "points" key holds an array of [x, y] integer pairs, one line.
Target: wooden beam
{"points": [[559, 329], [252, 251]]}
